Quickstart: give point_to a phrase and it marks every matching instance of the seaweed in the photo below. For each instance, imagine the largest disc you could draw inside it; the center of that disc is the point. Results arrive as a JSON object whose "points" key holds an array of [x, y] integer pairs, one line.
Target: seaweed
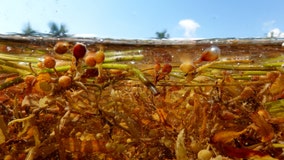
{"points": [[135, 104]]}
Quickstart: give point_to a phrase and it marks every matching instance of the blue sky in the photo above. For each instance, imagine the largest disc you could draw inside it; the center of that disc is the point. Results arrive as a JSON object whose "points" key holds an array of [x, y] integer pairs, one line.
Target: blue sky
{"points": [[134, 19]]}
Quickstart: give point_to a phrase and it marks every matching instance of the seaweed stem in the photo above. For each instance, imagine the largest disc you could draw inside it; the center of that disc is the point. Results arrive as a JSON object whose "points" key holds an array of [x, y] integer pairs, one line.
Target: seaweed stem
{"points": [[115, 53], [145, 81], [209, 65], [123, 58], [11, 82], [21, 120], [18, 58], [137, 72]]}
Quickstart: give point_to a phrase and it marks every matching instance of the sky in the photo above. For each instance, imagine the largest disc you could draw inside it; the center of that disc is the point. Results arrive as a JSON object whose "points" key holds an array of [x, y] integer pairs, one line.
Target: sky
{"points": [[141, 19]]}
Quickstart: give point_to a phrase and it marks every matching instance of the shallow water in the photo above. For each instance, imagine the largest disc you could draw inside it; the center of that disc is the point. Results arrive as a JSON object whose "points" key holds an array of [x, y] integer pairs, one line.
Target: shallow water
{"points": [[149, 99]]}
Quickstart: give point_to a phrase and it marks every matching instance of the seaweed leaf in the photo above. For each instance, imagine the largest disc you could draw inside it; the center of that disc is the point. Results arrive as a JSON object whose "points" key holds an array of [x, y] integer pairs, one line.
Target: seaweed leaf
{"points": [[180, 147], [264, 128], [226, 136], [278, 85]]}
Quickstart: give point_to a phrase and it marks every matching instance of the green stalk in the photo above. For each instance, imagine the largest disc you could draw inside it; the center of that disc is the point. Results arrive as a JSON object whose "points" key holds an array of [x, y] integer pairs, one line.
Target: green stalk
{"points": [[115, 53], [31, 51], [237, 73], [254, 72], [274, 59], [138, 74], [276, 108], [66, 57], [18, 58], [11, 83], [243, 67], [136, 71], [275, 64], [14, 65], [14, 70], [177, 74], [123, 58], [208, 65], [116, 66], [234, 76], [196, 84], [281, 69], [145, 81]]}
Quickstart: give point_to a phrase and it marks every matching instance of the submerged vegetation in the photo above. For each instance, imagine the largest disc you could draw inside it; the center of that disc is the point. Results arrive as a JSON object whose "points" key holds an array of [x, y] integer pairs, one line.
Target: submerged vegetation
{"points": [[69, 100]]}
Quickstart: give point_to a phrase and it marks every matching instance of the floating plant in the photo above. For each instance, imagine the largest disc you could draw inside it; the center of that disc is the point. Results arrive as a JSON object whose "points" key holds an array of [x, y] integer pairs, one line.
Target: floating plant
{"points": [[75, 99]]}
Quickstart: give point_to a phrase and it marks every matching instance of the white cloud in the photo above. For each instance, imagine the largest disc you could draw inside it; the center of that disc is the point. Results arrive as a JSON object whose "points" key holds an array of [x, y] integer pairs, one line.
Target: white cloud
{"points": [[275, 33], [268, 25], [190, 26]]}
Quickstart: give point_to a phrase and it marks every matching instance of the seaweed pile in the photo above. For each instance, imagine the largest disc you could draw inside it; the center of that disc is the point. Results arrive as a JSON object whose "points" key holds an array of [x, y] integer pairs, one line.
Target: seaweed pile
{"points": [[73, 101]]}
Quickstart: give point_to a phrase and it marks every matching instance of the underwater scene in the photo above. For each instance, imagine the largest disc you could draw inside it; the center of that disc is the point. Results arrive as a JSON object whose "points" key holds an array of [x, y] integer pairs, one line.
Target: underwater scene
{"points": [[89, 98]]}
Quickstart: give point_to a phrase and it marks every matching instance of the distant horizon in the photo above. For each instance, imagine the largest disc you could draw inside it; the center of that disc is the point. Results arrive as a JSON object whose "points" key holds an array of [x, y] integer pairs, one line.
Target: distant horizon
{"points": [[85, 36], [274, 33]]}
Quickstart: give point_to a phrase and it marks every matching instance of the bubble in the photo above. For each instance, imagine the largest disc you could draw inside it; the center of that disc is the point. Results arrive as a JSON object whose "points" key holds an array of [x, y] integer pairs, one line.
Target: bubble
{"points": [[8, 48], [211, 53], [214, 49]]}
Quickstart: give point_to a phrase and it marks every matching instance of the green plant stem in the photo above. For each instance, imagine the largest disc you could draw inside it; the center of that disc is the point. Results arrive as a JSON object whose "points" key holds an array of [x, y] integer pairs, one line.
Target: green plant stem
{"points": [[243, 67], [145, 81], [274, 59], [177, 74], [14, 70], [11, 83], [275, 108], [234, 76], [137, 72], [66, 57], [275, 64], [116, 66], [254, 72], [14, 65], [123, 58], [208, 65], [18, 58], [195, 84], [115, 53]]}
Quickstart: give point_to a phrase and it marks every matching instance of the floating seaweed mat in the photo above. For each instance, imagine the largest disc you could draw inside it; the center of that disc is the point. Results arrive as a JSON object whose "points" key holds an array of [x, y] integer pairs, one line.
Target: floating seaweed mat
{"points": [[77, 98]]}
